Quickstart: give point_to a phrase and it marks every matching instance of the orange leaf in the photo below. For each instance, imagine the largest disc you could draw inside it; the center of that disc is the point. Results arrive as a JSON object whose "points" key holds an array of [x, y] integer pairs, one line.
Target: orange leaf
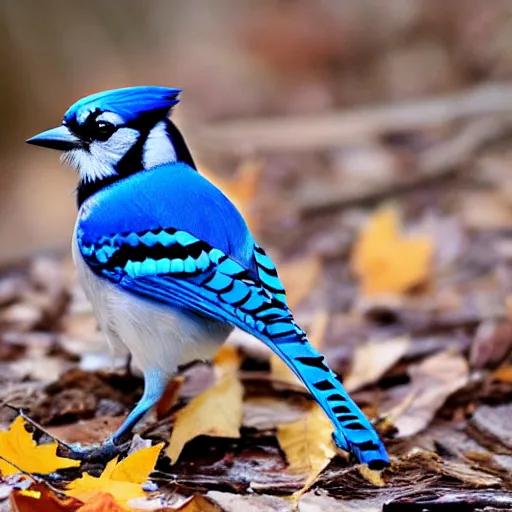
{"points": [[102, 502], [503, 374], [308, 445], [386, 261], [40, 497], [242, 189], [169, 398], [227, 360], [18, 447], [122, 480], [216, 412]]}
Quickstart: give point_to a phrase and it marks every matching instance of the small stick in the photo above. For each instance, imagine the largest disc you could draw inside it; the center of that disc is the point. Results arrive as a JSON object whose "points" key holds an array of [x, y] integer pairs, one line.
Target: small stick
{"points": [[36, 425]]}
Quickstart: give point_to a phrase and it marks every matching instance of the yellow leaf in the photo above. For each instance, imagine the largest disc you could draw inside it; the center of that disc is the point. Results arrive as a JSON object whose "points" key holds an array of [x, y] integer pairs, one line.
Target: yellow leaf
{"points": [[372, 476], [122, 480], [308, 445], [386, 261], [216, 412], [137, 466], [18, 447], [279, 371], [241, 189]]}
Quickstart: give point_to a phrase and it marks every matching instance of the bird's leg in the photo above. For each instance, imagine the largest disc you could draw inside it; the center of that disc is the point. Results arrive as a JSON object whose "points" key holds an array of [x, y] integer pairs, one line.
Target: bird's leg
{"points": [[155, 384]]}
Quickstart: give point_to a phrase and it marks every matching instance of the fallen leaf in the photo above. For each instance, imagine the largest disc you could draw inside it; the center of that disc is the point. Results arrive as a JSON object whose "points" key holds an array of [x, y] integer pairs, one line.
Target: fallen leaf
{"points": [[18, 447], [386, 261], [279, 370], [308, 445], [120, 479], [432, 382], [491, 344], [372, 360], [503, 374], [40, 497], [250, 502], [102, 502], [199, 503], [371, 475], [227, 360], [138, 465], [299, 277], [216, 412], [241, 189], [266, 412], [170, 397]]}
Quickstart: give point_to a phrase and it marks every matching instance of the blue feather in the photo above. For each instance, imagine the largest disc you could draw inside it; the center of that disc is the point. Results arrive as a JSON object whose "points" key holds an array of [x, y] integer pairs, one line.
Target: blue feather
{"points": [[235, 283], [130, 102]]}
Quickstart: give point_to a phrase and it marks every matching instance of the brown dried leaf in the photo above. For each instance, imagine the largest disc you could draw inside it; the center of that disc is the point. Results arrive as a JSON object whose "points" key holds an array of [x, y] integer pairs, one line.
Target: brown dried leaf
{"points": [[432, 382], [198, 503], [216, 412], [373, 359]]}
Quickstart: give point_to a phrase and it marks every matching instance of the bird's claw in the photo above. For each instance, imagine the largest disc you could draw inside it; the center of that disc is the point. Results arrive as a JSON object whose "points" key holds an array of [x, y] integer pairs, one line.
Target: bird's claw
{"points": [[104, 452]]}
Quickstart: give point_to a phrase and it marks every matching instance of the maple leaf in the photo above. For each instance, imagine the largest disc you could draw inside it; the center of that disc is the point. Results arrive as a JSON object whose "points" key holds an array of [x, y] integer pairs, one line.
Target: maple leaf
{"points": [[120, 479], [385, 261], [308, 445], [18, 447], [216, 412]]}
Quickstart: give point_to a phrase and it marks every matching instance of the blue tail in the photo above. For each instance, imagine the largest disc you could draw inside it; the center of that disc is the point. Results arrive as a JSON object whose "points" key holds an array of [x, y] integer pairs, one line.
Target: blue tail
{"points": [[353, 432]]}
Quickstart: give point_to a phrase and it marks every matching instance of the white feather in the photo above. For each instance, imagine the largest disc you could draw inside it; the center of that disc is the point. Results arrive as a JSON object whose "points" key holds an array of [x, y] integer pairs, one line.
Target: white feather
{"points": [[158, 148], [157, 336], [99, 161]]}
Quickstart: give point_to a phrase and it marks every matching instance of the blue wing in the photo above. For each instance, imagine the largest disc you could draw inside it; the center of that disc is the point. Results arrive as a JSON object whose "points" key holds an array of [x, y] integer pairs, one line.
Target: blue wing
{"points": [[170, 236]]}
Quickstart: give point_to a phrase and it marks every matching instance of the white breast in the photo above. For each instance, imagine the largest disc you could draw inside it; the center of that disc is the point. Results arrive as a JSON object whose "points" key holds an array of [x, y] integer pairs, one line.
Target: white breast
{"points": [[157, 336]]}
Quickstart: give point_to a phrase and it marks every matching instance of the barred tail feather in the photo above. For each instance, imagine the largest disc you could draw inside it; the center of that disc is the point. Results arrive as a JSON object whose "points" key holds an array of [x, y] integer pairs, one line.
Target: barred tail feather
{"points": [[353, 432]]}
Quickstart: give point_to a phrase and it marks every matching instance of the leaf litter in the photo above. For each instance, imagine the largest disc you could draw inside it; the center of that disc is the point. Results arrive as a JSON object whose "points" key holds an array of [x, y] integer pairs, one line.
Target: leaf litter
{"points": [[428, 358]]}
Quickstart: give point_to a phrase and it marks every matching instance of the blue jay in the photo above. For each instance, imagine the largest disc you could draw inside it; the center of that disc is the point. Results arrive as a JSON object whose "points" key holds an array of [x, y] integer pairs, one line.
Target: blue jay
{"points": [[168, 262]]}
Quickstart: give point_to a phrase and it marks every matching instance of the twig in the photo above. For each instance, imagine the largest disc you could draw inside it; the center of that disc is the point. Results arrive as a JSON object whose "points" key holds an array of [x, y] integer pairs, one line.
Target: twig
{"points": [[353, 126], [36, 425], [433, 165]]}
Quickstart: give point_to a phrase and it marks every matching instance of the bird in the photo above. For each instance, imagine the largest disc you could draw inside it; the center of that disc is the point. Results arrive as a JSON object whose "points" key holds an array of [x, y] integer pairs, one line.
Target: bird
{"points": [[169, 264]]}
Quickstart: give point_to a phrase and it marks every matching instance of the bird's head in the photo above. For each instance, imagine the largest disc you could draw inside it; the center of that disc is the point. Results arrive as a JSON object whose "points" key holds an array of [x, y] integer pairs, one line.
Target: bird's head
{"points": [[110, 135]]}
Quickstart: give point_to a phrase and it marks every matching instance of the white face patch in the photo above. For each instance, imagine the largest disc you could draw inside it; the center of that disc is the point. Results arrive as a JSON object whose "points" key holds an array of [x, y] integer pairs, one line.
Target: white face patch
{"points": [[158, 148], [100, 160], [111, 117]]}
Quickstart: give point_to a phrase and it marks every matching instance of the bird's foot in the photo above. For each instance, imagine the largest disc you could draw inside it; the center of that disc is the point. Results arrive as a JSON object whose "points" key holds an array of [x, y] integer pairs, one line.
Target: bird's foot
{"points": [[103, 452]]}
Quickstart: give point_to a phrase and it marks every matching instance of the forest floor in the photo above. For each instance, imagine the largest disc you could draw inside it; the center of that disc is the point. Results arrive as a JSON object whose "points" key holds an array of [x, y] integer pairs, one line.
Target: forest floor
{"points": [[392, 231]]}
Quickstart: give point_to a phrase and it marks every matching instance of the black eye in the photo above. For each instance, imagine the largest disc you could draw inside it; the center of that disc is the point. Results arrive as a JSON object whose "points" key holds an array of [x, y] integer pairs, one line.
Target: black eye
{"points": [[103, 130]]}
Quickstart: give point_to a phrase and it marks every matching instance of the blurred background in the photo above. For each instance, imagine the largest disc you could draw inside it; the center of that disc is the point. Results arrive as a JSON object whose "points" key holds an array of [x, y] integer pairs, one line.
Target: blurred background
{"points": [[269, 81]]}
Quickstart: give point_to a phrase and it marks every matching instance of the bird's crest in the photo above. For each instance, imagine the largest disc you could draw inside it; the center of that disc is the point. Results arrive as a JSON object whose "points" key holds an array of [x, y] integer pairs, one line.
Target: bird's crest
{"points": [[129, 103]]}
